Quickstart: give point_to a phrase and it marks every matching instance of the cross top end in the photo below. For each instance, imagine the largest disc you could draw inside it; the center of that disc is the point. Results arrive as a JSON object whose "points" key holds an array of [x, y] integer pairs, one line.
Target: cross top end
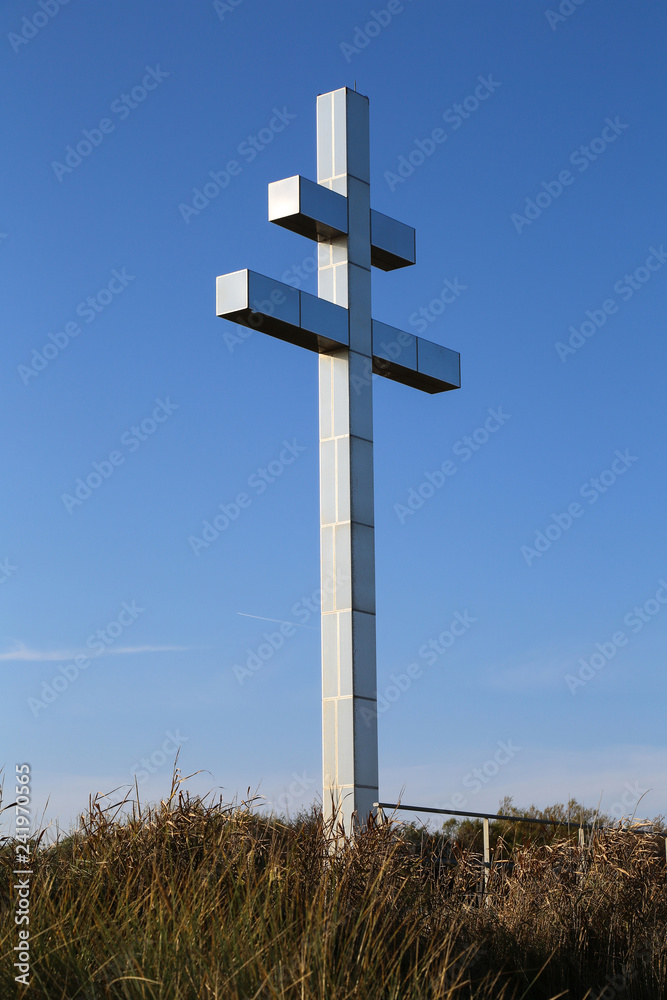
{"points": [[352, 238]]}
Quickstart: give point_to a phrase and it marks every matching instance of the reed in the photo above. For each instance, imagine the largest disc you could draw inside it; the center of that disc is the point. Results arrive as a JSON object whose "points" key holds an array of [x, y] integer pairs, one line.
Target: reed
{"points": [[195, 899]]}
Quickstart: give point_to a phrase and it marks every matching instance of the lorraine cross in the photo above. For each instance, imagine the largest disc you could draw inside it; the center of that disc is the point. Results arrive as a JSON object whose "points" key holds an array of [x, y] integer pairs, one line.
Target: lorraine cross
{"points": [[337, 324]]}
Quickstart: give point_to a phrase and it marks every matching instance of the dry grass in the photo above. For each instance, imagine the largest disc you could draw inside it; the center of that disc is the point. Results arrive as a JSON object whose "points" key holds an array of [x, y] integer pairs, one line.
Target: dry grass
{"points": [[194, 899]]}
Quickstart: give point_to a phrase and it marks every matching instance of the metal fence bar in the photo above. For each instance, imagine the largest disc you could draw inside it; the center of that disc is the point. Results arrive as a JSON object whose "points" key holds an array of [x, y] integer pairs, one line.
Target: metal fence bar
{"points": [[487, 816]]}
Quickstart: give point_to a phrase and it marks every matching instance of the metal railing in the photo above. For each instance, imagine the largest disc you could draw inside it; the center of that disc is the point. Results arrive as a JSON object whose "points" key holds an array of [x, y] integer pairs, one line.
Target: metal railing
{"points": [[485, 817]]}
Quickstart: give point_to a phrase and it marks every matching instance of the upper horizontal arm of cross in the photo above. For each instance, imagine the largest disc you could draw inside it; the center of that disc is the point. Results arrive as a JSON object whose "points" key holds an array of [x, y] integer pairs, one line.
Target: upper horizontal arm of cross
{"points": [[317, 212]]}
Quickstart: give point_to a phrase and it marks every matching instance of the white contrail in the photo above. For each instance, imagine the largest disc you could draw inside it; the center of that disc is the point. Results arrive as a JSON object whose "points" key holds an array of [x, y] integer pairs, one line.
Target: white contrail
{"points": [[278, 621]]}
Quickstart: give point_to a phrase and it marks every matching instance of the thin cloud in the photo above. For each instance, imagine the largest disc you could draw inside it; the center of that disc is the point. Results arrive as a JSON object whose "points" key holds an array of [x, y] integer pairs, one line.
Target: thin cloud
{"points": [[150, 649], [534, 670], [24, 654]]}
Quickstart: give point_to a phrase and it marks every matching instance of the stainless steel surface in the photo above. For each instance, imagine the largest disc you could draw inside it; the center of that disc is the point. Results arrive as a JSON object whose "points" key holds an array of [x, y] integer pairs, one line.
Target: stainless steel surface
{"points": [[245, 292], [337, 115], [273, 307], [231, 293], [337, 324], [307, 208], [393, 243], [350, 774], [393, 347], [414, 361], [438, 363], [325, 319]]}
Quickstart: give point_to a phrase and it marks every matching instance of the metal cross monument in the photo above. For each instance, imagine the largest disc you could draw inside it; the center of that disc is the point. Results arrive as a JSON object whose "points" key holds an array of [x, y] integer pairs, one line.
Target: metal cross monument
{"points": [[337, 324]]}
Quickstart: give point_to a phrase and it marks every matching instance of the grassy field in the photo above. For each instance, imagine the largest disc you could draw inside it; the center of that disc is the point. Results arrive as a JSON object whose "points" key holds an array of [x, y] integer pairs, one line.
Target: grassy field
{"points": [[196, 900]]}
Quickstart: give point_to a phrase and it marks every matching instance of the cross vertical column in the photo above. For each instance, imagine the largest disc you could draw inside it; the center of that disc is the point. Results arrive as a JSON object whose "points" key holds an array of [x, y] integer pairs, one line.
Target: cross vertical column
{"points": [[349, 683]]}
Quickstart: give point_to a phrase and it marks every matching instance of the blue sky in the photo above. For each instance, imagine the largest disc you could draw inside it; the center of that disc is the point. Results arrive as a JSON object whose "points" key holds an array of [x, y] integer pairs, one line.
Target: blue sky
{"points": [[543, 208]]}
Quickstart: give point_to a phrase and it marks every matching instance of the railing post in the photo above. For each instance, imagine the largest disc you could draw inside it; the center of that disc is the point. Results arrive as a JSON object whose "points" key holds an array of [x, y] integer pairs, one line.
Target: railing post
{"points": [[487, 852]]}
